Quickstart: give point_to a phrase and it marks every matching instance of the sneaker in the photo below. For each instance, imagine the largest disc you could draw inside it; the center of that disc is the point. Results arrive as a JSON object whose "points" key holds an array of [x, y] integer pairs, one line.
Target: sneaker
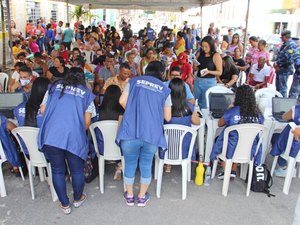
{"points": [[233, 174], [77, 204], [129, 200], [143, 201], [66, 209], [221, 176], [280, 172]]}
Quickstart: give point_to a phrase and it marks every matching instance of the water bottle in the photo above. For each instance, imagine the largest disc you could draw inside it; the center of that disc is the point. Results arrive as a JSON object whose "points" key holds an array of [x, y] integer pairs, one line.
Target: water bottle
{"points": [[207, 176], [196, 107], [199, 174]]}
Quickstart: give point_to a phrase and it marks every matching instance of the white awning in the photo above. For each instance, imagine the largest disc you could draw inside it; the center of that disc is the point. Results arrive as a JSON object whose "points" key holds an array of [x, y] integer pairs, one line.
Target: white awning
{"points": [[159, 5]]}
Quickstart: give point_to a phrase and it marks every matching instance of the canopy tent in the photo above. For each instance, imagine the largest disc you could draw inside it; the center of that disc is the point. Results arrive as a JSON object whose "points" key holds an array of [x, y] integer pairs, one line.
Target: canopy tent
{"points": [[159, 5]]}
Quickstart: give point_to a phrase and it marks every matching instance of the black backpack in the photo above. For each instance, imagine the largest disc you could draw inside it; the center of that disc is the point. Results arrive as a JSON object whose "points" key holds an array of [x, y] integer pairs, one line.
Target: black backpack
{"points": [[261, 180]]}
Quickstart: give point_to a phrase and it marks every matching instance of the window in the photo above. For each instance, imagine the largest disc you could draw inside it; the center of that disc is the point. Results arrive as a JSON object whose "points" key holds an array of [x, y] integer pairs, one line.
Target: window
{"points": [[66, 13], [33, 10], [5, 14], [54, 12]]}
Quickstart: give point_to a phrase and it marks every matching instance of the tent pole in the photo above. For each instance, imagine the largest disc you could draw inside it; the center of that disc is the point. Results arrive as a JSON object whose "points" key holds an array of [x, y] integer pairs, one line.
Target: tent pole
{"points": [[9, 29], [246, 29], [201, 13], [68, 19]]}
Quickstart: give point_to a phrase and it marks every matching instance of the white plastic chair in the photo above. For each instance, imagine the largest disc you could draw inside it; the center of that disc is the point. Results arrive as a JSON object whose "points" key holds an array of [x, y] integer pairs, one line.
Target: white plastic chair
{"points": [[111, 151], [264, 97], [37, 159], [291, 162], [216, 89], [2, 160], [174, 135], [247, 134], [4, 81]]}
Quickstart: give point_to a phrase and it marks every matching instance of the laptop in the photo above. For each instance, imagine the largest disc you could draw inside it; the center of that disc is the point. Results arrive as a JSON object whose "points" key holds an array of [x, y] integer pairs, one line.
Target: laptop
{"points": [[280, 106], [219, 103], [9, 101]]}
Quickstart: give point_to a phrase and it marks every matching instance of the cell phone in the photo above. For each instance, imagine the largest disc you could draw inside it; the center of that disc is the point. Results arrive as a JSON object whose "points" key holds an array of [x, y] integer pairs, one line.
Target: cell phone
{"points": [[203, 71]]}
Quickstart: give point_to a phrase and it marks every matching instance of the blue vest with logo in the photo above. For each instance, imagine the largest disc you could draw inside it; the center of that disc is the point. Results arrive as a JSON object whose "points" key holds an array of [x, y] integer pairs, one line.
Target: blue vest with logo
{"points": [[186, 121], [63, 125], [232, 117], [281, 142], [144, 114], [9, 147], [19, 113]]}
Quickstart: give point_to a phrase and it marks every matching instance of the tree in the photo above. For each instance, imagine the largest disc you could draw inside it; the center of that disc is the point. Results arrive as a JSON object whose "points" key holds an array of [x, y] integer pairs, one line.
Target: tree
{"points": [[80, 13]]}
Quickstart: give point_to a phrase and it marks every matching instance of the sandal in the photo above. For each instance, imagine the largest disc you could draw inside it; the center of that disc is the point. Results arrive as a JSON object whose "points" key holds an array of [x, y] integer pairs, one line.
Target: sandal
{"points": [[66, 209], [77, 204], [118, 174]]}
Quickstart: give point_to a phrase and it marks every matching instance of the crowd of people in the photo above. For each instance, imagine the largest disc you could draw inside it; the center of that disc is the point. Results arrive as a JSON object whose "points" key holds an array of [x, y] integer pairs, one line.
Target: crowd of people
{"points": [[144, 81]]}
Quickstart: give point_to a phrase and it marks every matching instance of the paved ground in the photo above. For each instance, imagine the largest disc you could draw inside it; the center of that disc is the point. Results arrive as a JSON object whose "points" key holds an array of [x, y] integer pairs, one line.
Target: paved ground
{"points": [[204, 205]]}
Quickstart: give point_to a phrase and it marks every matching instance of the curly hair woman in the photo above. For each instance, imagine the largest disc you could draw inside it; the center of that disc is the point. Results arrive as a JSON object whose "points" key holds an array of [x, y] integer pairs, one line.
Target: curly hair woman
{"points": [[244, 110]]}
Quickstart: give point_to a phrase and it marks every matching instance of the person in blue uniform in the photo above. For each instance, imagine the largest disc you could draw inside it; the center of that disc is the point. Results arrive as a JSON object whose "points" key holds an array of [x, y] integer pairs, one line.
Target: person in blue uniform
{"points": [[182, 114], [147, 103], [9, 147], [28, 112], [244, 110], [68, 107], [284, 62], [295, 87], [280, 141]]}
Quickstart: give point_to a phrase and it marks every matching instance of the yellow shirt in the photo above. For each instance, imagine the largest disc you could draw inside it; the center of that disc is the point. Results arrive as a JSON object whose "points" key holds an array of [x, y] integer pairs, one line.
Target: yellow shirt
{"points": [[181, 47], [16, 50]]}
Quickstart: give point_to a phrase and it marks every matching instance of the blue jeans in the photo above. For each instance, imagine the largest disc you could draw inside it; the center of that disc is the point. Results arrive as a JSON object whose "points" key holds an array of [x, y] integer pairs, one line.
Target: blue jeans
{"points": [[295, 88], [281, 80], [57, 157], [134, 151], [201, 85], [40, 42]]}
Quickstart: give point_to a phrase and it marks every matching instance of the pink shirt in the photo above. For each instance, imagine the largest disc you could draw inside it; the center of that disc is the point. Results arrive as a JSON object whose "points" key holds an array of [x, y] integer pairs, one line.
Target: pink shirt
{"points": [[257, 54], [34, 47]]}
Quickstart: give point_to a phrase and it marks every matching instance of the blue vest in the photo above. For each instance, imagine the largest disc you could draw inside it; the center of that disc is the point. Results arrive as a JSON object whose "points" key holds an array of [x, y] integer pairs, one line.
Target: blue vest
{"points": [[186, 121], [144, 114], [9, 147], [281, 142], [19, 113], [63, 125], [232, 117]]}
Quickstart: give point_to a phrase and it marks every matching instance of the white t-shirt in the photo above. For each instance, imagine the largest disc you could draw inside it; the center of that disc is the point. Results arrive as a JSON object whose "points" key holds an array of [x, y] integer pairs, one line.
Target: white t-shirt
{"points": [[59, 32], [260, 75]]}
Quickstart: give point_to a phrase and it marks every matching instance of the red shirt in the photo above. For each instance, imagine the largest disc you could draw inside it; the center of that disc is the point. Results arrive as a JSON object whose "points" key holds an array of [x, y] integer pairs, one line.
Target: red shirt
{"points": [[186, 69]]}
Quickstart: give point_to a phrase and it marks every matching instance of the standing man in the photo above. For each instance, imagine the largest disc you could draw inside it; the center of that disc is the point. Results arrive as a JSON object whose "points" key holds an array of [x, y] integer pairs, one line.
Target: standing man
{"points": [[67, 37], [295, 87], [150, 32], [59, 32], [284, 63]]}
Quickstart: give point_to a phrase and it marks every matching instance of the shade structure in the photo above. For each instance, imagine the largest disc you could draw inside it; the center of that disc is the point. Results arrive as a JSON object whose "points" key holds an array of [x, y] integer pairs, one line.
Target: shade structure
{"points": [[160, 5]]}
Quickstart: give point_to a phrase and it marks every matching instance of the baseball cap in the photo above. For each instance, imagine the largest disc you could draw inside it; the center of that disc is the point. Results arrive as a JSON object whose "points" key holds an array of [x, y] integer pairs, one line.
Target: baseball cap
{"points": [[285, 32], [182, 57]]}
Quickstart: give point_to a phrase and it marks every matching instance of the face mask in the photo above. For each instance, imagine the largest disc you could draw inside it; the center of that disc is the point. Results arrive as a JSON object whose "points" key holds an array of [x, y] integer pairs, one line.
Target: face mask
{"points": [[24, 82]]}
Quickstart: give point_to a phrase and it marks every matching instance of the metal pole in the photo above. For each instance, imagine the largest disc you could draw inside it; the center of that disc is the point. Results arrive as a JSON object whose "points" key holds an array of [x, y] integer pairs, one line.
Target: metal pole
{"points": [[9, 28], [68, 19], [246, 29], [3, 36], [201, 13]]}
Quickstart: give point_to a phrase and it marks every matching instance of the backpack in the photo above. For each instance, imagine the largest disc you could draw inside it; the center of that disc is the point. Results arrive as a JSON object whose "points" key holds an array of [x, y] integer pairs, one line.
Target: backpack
{"points": [[261, 180]]}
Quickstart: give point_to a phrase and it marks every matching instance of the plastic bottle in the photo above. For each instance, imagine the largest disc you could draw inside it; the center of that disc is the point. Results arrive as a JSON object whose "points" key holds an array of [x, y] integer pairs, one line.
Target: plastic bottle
{"points": [[196, 107], [199, 174], [207, 176]]}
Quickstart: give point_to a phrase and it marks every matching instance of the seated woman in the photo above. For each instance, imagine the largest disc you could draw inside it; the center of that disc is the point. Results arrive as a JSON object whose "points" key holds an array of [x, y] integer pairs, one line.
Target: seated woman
{"points": [[28, 112], [110, 109], [244, 110], [279, 141], [58, 71], [230, 73], [182, 114], [9, 147]]}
